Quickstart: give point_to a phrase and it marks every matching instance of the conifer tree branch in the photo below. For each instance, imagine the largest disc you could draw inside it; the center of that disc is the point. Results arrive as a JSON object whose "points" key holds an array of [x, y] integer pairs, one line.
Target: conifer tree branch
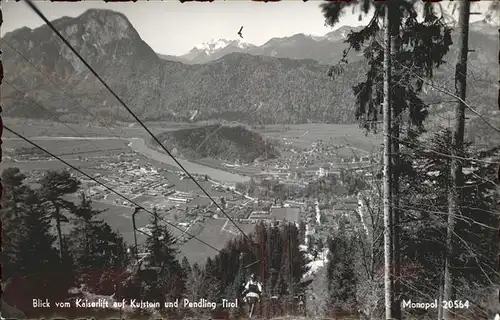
{"points": [[449, 93]]}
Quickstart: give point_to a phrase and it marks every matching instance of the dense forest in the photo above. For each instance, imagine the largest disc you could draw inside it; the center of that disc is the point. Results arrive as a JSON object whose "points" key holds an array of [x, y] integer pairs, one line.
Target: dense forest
{"points": [[41, 259], [92, 258], [427, 232], [252, 88], [219, 142]]}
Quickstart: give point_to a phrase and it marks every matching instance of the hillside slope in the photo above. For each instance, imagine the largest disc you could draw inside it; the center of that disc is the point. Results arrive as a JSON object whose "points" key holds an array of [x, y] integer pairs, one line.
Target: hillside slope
{"points": [[236, 87], [218, 142]]}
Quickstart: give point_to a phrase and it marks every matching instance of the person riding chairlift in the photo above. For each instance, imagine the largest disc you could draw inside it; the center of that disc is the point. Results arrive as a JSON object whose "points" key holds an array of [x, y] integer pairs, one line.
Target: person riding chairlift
{"points": [[253, 289]]}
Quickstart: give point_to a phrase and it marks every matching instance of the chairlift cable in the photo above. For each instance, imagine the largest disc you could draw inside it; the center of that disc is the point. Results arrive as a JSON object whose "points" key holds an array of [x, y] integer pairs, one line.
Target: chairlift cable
{"points": [[103, 185], [51, 26]]}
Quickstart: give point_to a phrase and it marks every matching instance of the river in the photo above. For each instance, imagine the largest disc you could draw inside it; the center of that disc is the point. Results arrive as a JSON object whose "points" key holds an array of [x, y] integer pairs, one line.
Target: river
{"points": [[139, 145]]}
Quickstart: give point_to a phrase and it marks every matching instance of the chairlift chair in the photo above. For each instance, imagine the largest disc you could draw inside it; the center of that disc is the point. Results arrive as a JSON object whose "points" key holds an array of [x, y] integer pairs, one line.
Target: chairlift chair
{"points": [[252, 293]]}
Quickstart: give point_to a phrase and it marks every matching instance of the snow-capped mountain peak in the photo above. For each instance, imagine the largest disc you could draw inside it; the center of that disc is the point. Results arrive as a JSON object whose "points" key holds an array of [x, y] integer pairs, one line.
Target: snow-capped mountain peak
{"points": [[214, 45], [315, 38], [340, 34], [216, 48]]}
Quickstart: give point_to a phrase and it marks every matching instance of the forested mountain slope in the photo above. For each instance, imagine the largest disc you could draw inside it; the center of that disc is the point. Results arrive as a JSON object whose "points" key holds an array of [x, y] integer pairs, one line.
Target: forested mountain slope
{"points": [[238, 86]]}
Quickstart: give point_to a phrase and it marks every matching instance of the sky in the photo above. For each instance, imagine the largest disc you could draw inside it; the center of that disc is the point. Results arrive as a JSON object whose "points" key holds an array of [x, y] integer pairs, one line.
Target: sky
{"points": [[174, 28]]}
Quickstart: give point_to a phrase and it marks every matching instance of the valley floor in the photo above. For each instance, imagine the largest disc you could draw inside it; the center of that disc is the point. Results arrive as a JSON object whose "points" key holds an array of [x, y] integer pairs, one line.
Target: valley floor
{"points": [[100, 146]]}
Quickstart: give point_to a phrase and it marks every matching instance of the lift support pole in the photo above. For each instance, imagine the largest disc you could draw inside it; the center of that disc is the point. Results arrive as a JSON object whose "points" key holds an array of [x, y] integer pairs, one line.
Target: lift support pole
{"points": [[136, 210]]}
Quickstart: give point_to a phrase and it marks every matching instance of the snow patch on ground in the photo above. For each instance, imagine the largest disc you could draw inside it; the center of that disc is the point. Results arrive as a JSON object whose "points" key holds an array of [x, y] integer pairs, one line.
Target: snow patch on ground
{"points": [[316, 264], [318, 213]]}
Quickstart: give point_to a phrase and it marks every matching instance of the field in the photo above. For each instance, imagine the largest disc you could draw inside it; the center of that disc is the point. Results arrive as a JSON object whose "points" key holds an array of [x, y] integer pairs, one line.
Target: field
{"points": [[43, 165], [303, 135], [85, 147], [119, 217], [213, 234], [33, 128]]}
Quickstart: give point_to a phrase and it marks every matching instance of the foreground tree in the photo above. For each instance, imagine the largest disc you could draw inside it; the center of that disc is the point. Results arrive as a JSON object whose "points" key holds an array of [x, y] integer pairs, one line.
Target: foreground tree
{"points": [[94, 244], [417, 48], [341, 276], [457, 139], [212, 289], [425, 224], [186, 272], [31, 245], [274, 256], [389, 234], [194, 283], [29, 258], [163, 280], [12, 212], [14, 193], [55, 185]]}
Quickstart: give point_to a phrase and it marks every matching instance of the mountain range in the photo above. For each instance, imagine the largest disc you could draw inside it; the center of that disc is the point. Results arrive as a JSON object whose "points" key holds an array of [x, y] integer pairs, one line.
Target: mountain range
{"points": [[325, 49], [283, 81]]}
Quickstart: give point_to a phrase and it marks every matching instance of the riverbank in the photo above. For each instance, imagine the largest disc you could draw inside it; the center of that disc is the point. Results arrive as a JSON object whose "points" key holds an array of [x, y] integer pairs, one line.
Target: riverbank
{"points": [[211, 163], [139, 145]]}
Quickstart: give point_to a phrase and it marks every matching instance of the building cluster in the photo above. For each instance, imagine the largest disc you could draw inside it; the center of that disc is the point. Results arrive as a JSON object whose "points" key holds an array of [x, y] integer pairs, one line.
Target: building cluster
{"points": [[302, 167], [285, 213], [132, 178], [128, 178]]}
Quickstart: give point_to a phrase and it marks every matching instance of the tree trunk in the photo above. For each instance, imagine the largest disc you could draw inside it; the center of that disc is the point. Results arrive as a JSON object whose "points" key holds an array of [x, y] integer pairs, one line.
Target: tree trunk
{"points": [[440, 301], [388, 277], [396, 128], [14, 199], [456, 180], [59, 234]]}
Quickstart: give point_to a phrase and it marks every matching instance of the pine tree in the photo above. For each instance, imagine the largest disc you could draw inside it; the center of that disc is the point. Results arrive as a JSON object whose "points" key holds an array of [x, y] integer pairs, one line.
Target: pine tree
{"points": [[294, 266], [13, 212], [457, 140], [260, 250], [94, 245], [31, 255], [13, 195], [54, 186], [428, 228], [421, 48], [302, 234], [274, 249], [212, 289], [195, 283], [161, 278], [237, 288], [273, 254], [185, 274], [341, 275], [417, 48], [34, 252], [186, 267]]}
